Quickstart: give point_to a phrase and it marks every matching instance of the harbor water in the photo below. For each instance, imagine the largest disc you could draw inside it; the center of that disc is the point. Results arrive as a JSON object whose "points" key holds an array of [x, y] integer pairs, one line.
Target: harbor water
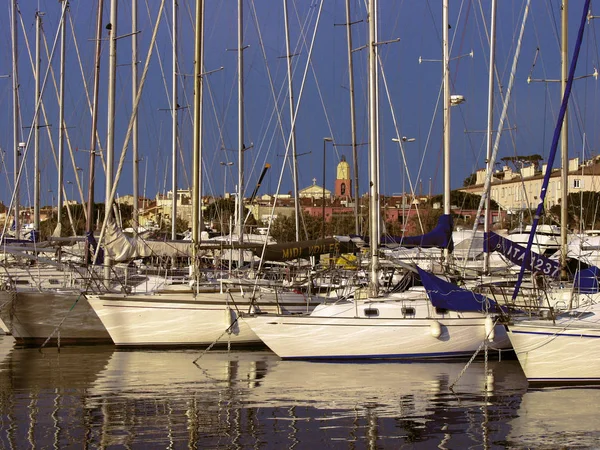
{"points": [[101, 397]]}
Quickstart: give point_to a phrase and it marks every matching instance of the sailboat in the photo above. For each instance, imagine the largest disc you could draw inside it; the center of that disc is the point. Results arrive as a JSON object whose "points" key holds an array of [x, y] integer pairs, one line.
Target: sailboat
{"points": [[204, 313], [562, 348], [402, 325]]}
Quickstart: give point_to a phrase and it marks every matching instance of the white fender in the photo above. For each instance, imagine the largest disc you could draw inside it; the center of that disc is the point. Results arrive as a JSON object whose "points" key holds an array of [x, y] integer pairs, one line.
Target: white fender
{"points": [[489, 328], [435, 329], [489, 385]]}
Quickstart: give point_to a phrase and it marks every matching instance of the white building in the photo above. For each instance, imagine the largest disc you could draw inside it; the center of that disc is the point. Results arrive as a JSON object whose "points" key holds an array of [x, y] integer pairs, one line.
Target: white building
{"points": [[520, 190]]}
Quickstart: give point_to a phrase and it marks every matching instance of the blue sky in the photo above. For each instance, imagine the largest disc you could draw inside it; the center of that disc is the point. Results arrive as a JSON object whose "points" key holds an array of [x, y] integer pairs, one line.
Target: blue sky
{"points": [[323, 109]]}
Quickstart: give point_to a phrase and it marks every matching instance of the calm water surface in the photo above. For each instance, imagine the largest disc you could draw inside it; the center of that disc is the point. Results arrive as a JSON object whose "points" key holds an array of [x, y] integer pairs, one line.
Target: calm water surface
{"points": [[98, 397]]}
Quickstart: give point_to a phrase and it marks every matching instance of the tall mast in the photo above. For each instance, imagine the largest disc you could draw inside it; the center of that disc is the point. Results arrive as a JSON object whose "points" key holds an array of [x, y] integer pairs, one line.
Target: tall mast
{"points": [[110, 129], [197, 141], [36, 127], [174, 126], [292, 121], [353, 119], [15, 102], [93, 136], [490, 124], [134, 130], [61, 128], [564, 138], [374, 212], [240, 204], [446, 76]]}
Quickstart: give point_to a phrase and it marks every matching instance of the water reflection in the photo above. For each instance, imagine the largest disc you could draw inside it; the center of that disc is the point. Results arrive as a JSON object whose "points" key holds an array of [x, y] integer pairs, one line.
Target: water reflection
{"points": [[557, 418], [99, 397]]}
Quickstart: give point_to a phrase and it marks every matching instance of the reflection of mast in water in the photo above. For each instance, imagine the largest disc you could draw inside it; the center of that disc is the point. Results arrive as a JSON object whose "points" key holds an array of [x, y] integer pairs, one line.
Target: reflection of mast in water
{"points": [[114, 398], [372, 430]]}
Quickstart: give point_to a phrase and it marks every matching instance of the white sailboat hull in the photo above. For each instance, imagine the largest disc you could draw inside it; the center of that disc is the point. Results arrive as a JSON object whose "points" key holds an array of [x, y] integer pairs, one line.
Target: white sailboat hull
{"points": [[338, 337], [185, 319], [557, 353], [54, 316]]}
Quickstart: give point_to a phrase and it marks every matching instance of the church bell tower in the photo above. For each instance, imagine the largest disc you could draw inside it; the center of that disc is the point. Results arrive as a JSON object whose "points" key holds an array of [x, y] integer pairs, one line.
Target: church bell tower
{"points": [[343, 183]]}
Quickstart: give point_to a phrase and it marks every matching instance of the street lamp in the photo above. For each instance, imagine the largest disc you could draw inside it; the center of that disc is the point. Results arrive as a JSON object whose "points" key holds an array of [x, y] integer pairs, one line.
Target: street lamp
{"points": [[325, 140], [399, 140]]}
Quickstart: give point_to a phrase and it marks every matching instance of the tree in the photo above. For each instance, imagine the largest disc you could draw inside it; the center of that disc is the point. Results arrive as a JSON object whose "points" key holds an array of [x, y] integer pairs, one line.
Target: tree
{"points": [[470, 180], [463, 200], [342, 224], [583, 209], [283, 229], [519, 161], [220, 212], [428, 218]]}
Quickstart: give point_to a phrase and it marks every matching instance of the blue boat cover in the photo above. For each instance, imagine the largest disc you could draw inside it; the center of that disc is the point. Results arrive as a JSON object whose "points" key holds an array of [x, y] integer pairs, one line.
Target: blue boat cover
{"points": [[444, 294], [519, 255], [93, 244], [586, 280], [439, 237]]}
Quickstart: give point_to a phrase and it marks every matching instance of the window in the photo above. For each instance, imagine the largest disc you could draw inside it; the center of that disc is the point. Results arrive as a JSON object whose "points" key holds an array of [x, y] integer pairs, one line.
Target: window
{"points": [[408, 311], [577, 184], [371, 312]]}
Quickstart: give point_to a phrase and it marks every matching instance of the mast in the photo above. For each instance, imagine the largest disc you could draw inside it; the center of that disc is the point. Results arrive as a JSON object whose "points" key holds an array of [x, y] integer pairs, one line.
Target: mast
{"points": [[374, 212], [555, 139], [564, 139], [292, 121], [446, 102], [110, 129], [134, 130], [36, 127], [353, 119], [15, 103], [490, 124], [174, 126], [197, 133], [93, 138], [240, 193], [61, 129]]}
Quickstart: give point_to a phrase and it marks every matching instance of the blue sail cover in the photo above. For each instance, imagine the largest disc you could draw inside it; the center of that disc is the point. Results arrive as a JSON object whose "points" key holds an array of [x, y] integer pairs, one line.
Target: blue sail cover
{"points": [[521, 255], [586, 280], [444, 294], [439, 237], [93, 244]]}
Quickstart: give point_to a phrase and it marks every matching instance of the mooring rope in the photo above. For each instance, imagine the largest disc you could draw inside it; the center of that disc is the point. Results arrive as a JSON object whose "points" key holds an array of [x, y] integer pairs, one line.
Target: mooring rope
{"points": [[217, 340], [57, 329], [464, 369]]}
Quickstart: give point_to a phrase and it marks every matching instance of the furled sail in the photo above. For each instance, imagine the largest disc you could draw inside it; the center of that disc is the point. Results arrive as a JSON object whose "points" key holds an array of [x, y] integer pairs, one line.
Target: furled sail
{"points": [[439, 237], [554, 146], [305, 249], [121, 247]]}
